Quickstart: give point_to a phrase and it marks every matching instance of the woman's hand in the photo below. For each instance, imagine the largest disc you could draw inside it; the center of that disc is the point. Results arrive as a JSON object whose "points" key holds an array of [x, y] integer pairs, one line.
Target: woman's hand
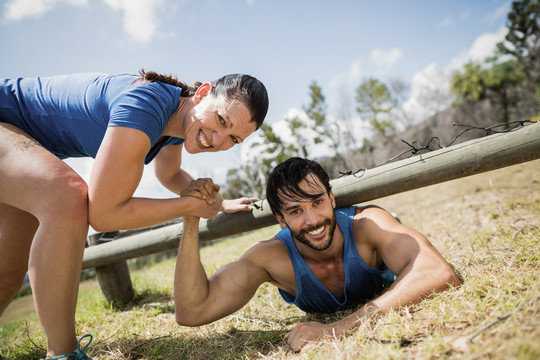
{"points": [[236, 205], [203, 189]]}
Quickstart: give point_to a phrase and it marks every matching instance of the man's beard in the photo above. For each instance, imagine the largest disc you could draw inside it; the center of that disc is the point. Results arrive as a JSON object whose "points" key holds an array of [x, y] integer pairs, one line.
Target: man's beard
{"points": [[319, 245]]}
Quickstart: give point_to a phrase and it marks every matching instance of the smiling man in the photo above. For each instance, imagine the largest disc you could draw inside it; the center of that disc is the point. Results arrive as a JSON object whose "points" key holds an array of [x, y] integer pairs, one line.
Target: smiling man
{"points": [[325, 259]]}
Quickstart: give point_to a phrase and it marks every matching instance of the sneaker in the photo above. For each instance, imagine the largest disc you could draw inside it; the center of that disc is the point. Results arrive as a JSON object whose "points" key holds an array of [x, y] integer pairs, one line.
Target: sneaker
{"points": [[77, 354]]}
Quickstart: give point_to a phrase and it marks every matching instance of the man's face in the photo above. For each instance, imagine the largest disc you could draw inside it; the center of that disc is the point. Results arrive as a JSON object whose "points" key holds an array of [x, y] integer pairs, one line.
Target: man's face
{"points": [[311, 220]]}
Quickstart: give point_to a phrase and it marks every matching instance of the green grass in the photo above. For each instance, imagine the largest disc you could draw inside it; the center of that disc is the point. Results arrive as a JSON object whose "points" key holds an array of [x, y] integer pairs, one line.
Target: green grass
{"points": [[486, 225]]}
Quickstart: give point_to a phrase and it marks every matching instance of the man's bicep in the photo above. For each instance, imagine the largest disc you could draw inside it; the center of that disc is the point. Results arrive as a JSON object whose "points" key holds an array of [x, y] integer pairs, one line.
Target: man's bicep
{"points": [[233, 285], [398, 245], [406, 251]]}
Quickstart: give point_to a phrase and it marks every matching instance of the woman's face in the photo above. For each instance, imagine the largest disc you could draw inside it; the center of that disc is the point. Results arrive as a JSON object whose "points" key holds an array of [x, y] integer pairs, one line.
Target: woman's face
{"points": [[215, 124]]}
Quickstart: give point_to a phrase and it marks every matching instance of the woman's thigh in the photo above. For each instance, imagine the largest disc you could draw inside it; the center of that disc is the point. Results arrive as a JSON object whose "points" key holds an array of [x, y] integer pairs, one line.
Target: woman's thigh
{"points": [[34, 180]]}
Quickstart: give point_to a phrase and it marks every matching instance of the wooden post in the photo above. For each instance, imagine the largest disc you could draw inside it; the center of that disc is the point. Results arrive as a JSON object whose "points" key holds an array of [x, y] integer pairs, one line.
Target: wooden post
{"points": [[114, 279]]}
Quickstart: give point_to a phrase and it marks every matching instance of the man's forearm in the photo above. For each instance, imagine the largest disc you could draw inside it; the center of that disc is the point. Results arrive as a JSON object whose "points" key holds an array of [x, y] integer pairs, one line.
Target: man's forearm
{"points": [[405, 291], [190, 281]]}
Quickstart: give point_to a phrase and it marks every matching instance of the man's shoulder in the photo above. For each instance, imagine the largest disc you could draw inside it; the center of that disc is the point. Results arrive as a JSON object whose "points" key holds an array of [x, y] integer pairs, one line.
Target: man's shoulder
{"points": [[270, 254], [369, 211], [266, 248], [367, 220]]}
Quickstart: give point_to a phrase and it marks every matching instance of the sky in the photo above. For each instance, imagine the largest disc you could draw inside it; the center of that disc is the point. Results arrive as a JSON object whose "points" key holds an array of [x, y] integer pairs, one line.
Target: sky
{"points": [[287, 44]]}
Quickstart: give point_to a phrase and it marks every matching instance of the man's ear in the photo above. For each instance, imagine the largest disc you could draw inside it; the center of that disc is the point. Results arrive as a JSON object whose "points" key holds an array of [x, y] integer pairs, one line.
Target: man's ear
{"points": [[332, 199], [202, 92], [281, 221]]}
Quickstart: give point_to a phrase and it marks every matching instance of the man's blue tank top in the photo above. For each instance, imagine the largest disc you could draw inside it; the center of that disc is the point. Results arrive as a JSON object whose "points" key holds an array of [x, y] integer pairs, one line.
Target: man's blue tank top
{"points": [[69, 114], [362, 283]]}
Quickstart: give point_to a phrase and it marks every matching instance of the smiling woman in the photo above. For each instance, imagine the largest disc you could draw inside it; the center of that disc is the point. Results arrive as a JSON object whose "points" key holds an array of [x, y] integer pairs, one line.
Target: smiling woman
{"points": [[124, 122]]}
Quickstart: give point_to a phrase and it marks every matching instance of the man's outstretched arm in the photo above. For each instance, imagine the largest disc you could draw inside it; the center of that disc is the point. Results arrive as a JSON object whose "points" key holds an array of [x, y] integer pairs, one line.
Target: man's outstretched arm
{"points": [[420, 269], [199, 300]]}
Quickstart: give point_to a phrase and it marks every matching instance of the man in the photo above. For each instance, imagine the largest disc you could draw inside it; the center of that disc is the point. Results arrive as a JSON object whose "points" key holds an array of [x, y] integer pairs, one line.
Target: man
{"points": [[324, 259]]}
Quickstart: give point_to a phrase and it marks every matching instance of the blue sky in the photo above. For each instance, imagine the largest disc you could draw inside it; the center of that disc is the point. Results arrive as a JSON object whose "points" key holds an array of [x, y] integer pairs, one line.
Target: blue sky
{"points": [[286, 44]]}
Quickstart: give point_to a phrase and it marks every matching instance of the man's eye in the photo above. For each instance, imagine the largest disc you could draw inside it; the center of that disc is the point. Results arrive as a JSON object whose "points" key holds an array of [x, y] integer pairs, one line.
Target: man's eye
{"points": [[318, 202]]}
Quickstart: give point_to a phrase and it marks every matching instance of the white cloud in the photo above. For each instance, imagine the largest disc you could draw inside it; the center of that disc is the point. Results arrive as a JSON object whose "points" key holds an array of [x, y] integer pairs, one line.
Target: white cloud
{"points": [[280, 128], [139, 17], [430, 87], [447, 22], [501, 11], [430, 92], [15, 10], [483, 47], [386, 59], [346, 79]]}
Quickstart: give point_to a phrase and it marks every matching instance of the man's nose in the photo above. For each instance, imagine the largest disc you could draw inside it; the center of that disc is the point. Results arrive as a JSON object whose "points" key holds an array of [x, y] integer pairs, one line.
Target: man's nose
{"points": [[311, 217]]}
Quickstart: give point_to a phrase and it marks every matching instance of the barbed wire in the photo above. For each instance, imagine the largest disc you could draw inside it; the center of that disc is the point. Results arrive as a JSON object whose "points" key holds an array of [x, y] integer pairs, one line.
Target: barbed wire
{"points": [[434, 143]]}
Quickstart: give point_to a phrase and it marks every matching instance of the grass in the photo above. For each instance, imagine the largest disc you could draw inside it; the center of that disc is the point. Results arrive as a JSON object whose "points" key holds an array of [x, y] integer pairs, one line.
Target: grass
{"points": [[486, 225]]}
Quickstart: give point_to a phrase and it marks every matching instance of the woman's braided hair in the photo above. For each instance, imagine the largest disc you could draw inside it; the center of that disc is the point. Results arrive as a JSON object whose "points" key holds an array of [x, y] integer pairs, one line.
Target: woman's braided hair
{"points": [[152, 76]]}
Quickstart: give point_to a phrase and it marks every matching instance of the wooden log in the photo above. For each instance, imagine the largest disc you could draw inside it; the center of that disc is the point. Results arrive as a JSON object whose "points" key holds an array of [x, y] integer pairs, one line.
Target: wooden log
{"points": [[461, 160], [114, 279]]}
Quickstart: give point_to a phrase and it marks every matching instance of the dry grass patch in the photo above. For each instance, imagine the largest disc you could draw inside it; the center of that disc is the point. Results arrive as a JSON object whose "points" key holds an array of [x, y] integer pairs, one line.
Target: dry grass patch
{"points": [[486, 225]]}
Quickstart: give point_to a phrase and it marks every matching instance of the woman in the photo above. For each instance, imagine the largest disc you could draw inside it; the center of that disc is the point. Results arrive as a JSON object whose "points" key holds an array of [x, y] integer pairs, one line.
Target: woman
{"points": [[124, 122]]}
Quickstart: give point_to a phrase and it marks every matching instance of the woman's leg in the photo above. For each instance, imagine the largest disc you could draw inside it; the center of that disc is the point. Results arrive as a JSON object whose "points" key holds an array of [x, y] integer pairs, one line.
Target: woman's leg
{"points": [[17, 229], [37, 182]]}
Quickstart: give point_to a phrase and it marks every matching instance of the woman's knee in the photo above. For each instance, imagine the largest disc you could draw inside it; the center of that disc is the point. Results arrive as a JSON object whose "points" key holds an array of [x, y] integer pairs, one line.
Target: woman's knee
{"points": [[75, 198], [68, 201], [11, 280]]}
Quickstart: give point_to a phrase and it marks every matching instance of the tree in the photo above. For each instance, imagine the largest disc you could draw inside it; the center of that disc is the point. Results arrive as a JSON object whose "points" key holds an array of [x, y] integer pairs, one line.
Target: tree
{"points": [[494, 82], [399, 90], [523, 38], [316, 111], [500, 79], [469, 85], [297, 127], [265, 154], [373, 99]]}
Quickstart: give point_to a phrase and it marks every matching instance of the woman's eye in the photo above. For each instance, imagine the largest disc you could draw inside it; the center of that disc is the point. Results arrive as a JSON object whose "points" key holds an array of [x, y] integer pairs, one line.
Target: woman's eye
{"points": [[234, 140], [221, 120]]}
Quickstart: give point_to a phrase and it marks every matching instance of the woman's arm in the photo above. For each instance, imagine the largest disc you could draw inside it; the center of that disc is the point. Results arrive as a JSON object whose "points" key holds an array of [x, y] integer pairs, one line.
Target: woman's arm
{"points": [[167, 169], [115, 176], [167, 165]]}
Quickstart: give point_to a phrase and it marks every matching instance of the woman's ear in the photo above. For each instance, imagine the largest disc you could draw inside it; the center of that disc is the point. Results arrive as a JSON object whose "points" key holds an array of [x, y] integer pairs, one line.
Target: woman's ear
{"points": [[202, 91]]}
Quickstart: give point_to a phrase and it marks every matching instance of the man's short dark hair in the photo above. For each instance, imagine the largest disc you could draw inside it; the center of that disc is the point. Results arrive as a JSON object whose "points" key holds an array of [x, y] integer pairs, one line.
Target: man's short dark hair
{"points": [[284, 180]]}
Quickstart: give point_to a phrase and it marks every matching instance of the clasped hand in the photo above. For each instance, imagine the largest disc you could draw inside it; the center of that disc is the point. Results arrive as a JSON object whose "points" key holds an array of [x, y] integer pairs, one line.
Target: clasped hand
{"points": [[205, 189]]}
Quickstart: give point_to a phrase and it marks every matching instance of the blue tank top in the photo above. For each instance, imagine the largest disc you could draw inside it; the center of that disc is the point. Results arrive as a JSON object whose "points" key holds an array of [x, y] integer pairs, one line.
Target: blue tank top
{"points": [[362, 283], [69, 114]]}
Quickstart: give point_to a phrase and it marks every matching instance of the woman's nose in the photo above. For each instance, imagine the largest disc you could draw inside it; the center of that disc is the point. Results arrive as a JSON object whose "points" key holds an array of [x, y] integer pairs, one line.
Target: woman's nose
{"points": [[219, 140]]}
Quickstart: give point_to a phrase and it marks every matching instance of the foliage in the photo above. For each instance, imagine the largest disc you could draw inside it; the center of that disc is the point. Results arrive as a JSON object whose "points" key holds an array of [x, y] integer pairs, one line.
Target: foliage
{"points": [[495, 82], [523, 37], [471, 83], [374, 99]]}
